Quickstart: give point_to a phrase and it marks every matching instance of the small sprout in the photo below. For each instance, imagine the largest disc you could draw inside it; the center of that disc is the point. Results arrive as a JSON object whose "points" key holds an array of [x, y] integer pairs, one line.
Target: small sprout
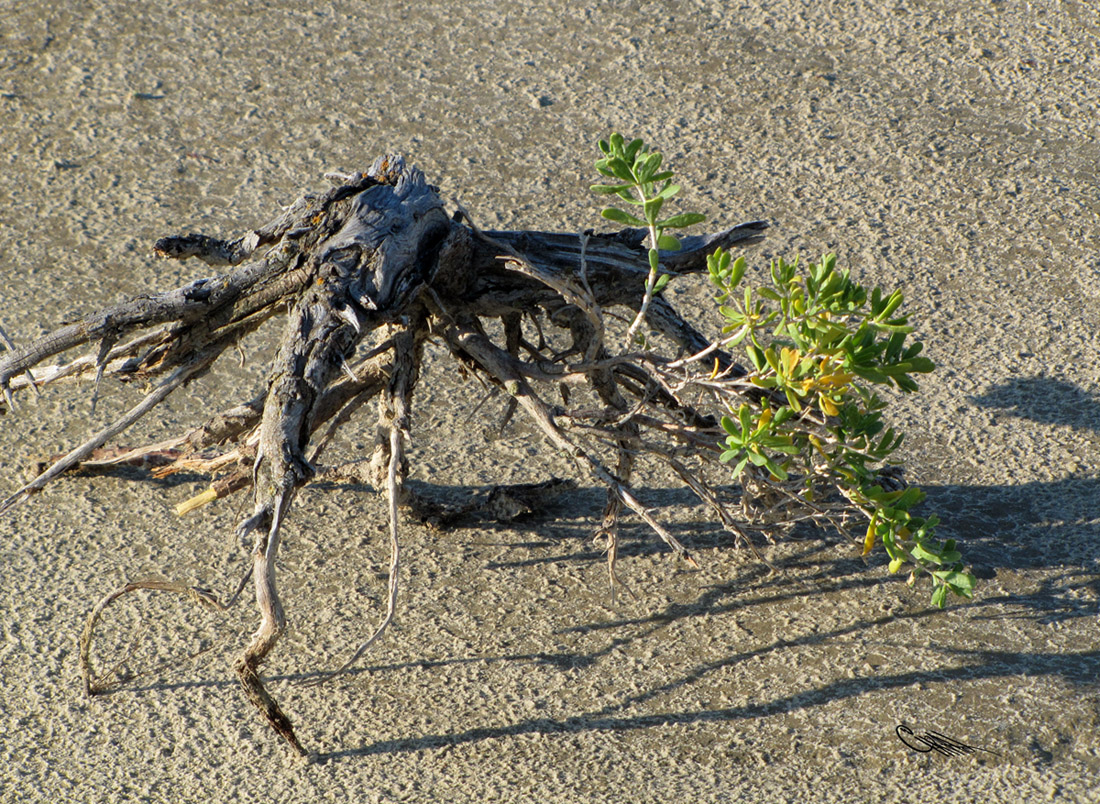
{"points": [[642, 184]]}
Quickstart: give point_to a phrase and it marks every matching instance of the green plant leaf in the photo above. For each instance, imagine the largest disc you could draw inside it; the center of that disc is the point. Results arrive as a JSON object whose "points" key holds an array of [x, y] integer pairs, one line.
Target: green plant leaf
{"points": [[682, 220], [939, 597], [625, 218], [921, 365], [744, 417], [772, 359], [918, 551], [908, 498], [718, 263], [756, 355], [647, 167], [620, 169], [607, 189], [961, 583], [777, 471], [737, 272], [652, 208], [782, 416]]}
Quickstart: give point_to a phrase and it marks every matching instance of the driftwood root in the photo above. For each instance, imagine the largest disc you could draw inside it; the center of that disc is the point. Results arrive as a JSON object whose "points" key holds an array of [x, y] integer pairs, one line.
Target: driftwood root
{"points": [[366, 275]]}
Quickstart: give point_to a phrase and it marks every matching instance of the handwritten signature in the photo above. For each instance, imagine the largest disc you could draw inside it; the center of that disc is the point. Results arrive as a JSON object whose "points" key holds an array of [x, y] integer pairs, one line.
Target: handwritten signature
{"points": [[934, 741]]}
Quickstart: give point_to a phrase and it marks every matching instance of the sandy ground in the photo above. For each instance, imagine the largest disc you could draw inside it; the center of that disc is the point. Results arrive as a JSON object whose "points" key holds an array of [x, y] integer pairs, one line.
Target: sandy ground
{"points": [[950, 153]]}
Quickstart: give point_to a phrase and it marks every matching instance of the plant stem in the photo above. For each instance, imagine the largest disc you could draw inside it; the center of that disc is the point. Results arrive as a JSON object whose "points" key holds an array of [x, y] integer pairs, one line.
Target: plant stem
{"points": [[651, 278]]}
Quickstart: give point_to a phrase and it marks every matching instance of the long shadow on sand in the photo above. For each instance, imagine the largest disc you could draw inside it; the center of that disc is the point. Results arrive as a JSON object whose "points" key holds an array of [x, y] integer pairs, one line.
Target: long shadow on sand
{"points": [[1075, 667], [1078, 667], [1003, 528], [1048, 529], [1030, 526]]}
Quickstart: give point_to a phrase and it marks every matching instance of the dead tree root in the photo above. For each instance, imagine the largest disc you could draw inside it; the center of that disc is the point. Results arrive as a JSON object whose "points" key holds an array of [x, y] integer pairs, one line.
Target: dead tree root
{"points": [[366, 274]]}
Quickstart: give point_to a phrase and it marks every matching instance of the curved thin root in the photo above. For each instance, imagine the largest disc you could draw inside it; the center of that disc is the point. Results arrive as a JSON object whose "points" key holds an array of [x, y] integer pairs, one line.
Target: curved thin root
{"points": [[93, 684]]}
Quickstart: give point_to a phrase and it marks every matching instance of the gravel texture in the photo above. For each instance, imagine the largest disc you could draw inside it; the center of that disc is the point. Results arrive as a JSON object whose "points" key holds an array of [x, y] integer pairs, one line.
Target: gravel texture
{"points": [[945, 148]]}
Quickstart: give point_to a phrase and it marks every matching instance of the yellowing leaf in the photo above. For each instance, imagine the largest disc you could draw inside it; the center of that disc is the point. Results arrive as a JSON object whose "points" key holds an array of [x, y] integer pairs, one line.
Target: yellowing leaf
{"points": [[790, 358], [816, 442], [835, 380], [827, 406], [869, 539]]}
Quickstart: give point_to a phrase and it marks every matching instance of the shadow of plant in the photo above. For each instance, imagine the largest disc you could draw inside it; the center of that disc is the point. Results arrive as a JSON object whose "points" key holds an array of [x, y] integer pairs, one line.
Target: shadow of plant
{"points": [[1003, 528], [1048, 531], [1075, 667], [1044, 399], [1026, 526]]}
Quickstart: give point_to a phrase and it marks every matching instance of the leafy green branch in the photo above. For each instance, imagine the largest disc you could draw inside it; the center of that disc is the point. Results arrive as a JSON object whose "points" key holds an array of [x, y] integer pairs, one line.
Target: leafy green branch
{"points": [[819, 343], [805, 426], [642, 183]]}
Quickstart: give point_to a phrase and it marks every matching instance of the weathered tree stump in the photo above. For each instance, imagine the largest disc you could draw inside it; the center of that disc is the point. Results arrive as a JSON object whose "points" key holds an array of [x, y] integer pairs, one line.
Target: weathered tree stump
{"points": [[377, 255]]}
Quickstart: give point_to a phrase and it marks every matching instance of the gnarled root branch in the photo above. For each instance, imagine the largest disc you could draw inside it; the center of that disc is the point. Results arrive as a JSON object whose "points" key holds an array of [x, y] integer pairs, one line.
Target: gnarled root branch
{"points": [[272, 618], [394, 417]]}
